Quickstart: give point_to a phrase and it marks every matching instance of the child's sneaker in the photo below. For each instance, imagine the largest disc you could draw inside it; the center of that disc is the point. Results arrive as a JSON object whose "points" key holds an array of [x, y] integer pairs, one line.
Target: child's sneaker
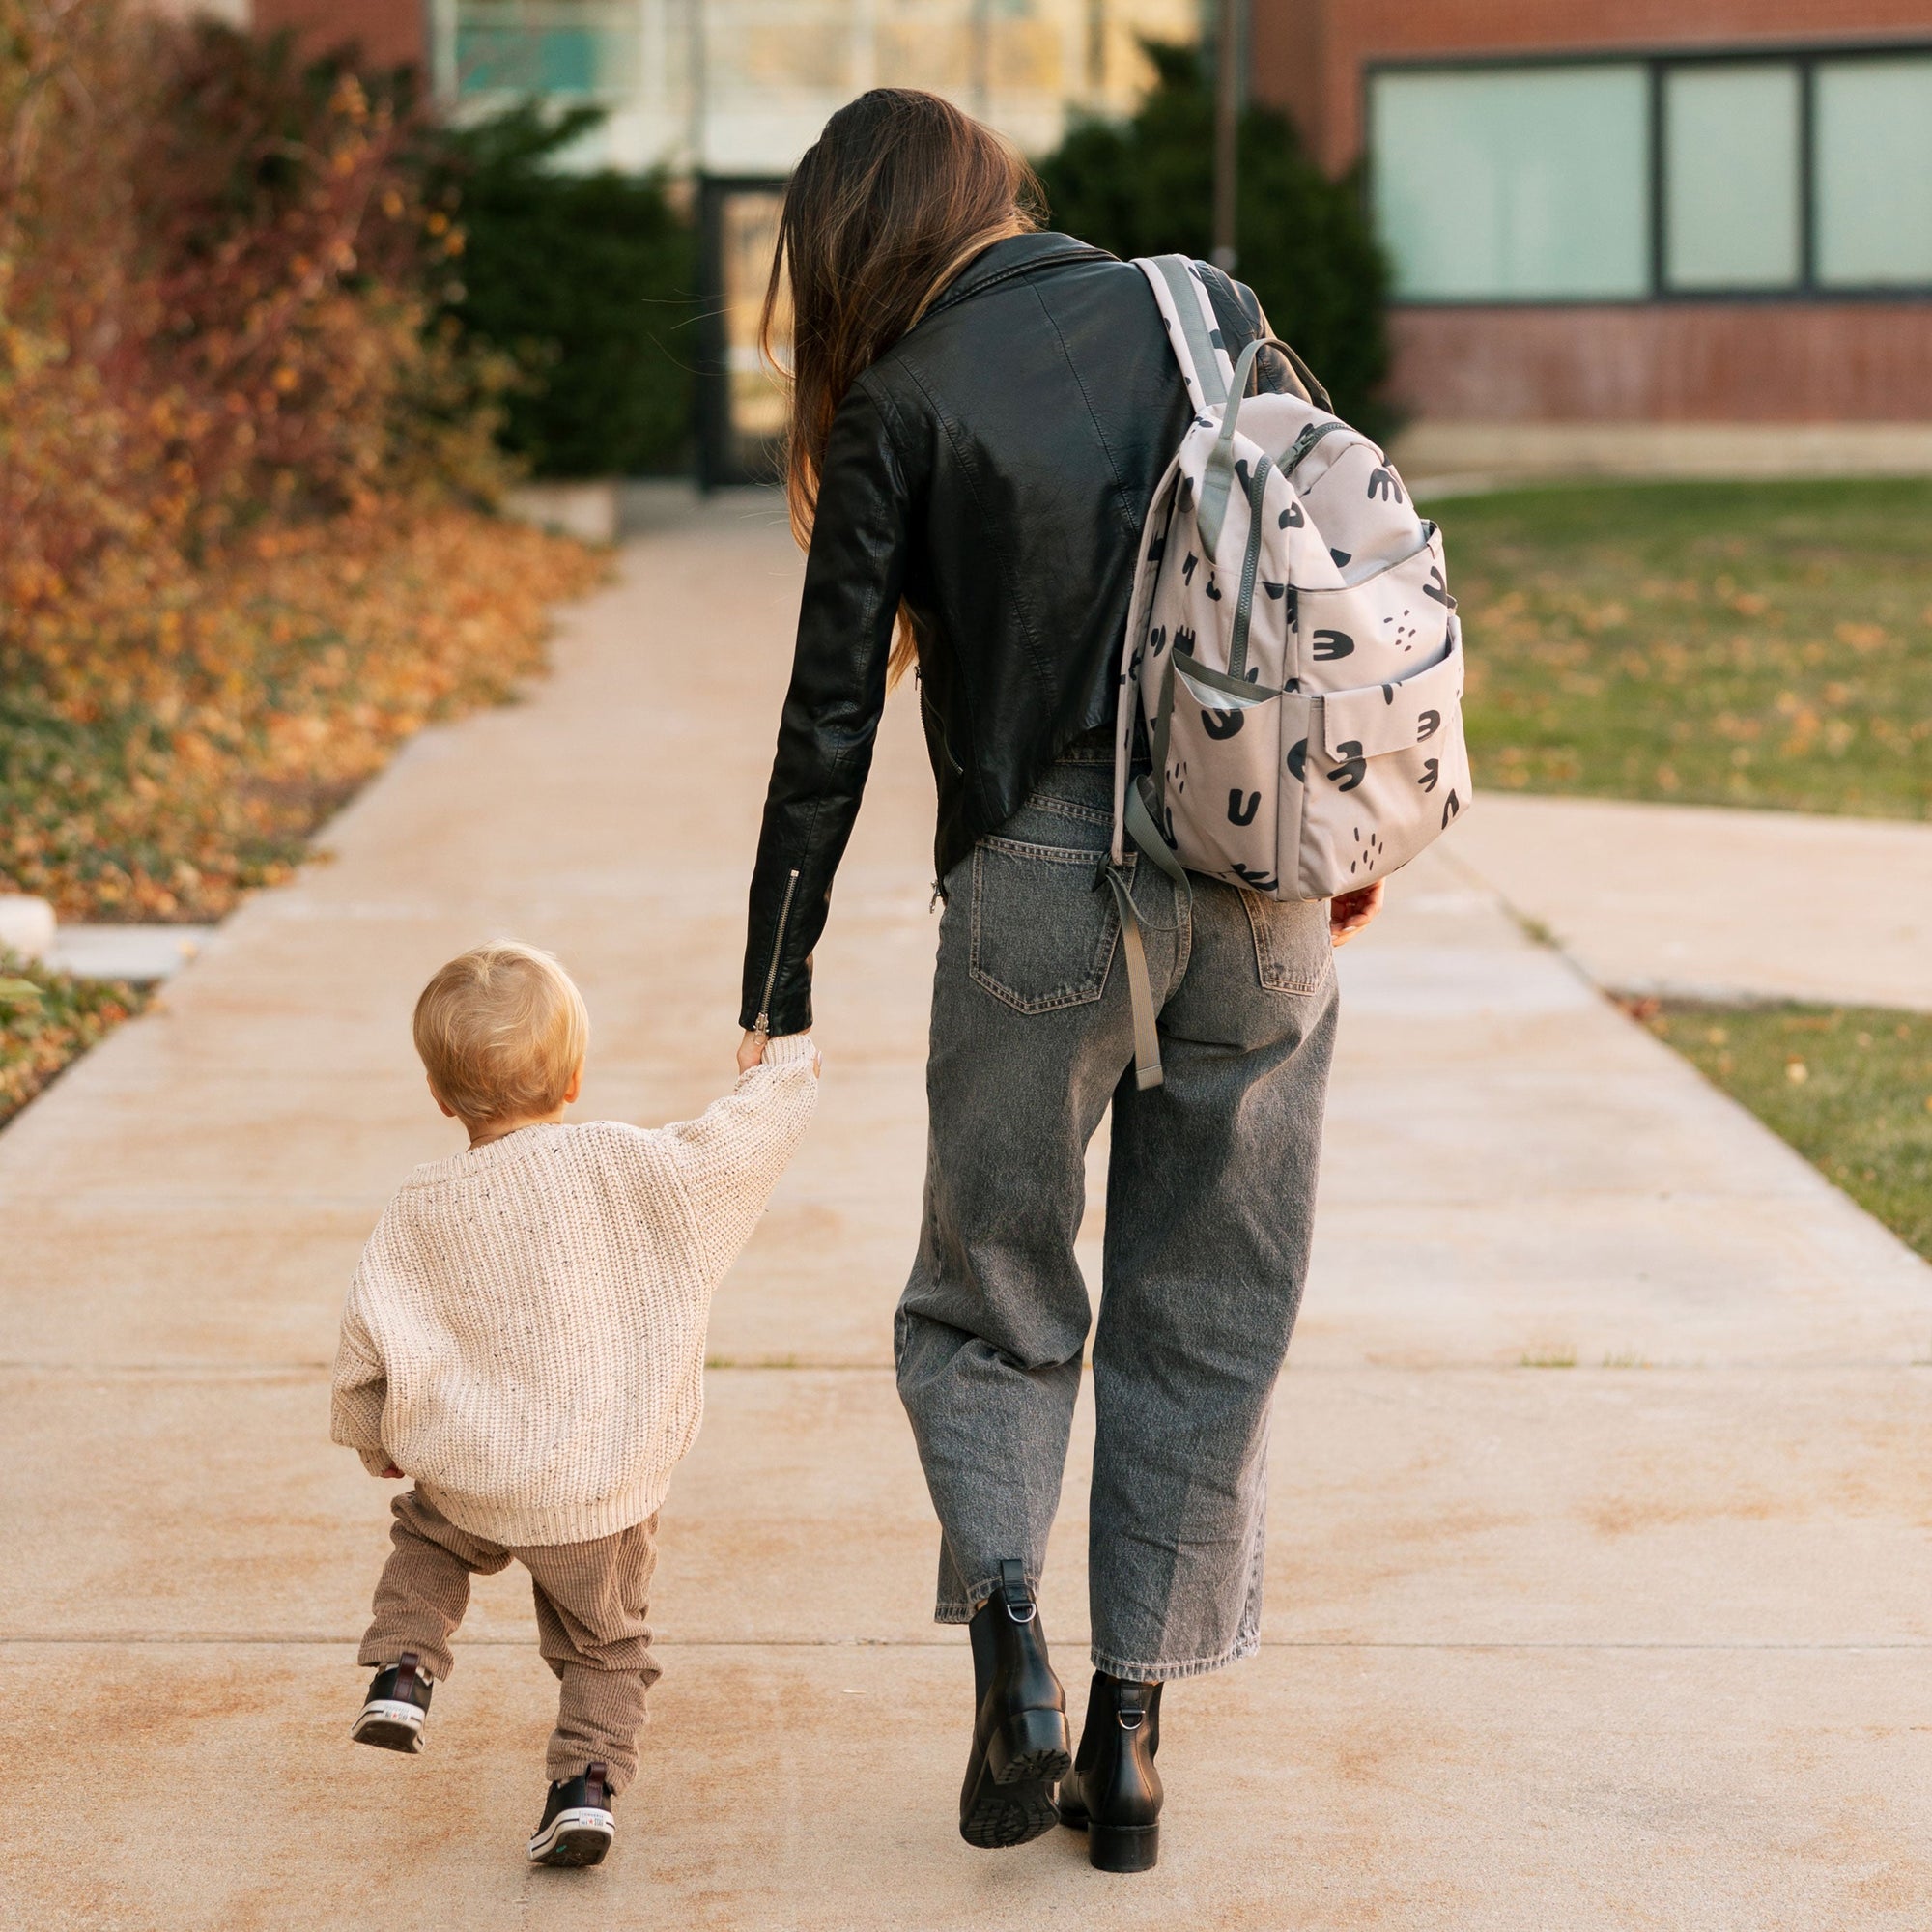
{"points": [[577, 1827], [398, 1701]]}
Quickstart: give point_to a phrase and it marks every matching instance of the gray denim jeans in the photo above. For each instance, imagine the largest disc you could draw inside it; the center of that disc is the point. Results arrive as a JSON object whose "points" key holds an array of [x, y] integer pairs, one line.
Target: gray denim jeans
{"points": [[1209, 1203]]}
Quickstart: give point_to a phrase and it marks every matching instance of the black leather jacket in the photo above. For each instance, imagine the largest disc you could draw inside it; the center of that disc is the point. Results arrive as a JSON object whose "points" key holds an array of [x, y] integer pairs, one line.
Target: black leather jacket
{"points": [[993, 469]]}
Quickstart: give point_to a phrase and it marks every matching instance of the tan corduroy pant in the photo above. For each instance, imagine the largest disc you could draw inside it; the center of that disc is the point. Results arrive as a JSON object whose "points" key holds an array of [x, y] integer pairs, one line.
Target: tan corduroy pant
{"points": [[591, 1599]]}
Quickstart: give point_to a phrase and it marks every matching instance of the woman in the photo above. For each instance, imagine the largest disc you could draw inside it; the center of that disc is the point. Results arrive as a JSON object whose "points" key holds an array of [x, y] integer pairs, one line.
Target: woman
{"points": [[980, 415]]}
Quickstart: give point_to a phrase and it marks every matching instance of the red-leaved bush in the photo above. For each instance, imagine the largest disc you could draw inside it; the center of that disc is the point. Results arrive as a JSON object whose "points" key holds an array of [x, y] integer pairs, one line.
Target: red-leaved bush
{"points": [[242, 547], [211, 292]]}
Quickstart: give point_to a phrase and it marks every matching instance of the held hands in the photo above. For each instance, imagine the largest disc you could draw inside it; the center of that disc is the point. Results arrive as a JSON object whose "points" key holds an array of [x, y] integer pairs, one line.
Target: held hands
{"points": [[1349, 913], [752, 1053]]}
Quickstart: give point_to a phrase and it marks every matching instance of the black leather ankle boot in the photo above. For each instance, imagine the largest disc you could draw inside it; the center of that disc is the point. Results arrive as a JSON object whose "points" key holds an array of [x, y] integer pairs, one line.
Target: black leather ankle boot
{"points": [[1114, 1791], [1019, 1734]]}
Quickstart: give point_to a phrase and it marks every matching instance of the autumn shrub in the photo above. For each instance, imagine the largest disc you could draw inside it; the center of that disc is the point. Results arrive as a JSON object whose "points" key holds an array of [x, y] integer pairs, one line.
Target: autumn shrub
{"points": [[243, 465]]}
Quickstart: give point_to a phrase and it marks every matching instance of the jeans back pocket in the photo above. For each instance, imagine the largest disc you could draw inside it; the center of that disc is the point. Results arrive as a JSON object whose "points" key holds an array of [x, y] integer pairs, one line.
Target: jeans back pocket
{"points": [[1294, 953], [1043, 924]]}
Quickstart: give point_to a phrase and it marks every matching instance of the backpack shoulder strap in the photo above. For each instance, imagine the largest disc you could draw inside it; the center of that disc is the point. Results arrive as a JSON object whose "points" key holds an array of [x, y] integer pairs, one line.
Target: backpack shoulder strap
{"points": [[1193, 331]]}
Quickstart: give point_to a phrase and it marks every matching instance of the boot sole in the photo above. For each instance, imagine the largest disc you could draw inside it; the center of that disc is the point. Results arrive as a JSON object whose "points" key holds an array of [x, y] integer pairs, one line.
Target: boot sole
{"points": [[1002, 1816], [576, 1837], [1012, 1800], [1031, 1746]]}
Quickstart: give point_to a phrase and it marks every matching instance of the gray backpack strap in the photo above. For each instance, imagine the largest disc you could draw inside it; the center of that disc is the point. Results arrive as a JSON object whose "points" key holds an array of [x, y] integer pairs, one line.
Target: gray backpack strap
{"points": [[1193, 330], [1148, 842]]}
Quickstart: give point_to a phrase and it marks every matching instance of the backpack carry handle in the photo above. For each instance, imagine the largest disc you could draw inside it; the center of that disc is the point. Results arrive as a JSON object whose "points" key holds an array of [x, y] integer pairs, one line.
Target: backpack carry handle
{"points": [[1217, 474]]}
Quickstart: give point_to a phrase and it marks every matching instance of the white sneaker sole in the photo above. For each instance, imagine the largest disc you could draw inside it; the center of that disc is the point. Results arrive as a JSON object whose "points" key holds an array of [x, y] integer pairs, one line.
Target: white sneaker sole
{"points": [[578, 1836], [390, 1724]]}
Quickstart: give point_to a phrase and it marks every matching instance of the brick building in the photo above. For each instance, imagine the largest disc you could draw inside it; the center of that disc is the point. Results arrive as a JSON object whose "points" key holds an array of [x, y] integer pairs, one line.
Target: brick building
{"points": [[1626, 234], [1613, 219], [742, 87]]}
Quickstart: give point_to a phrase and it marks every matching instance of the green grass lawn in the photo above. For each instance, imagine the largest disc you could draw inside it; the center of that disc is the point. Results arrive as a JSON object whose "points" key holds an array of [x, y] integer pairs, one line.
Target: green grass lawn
{"points": [[1849, 1087], [1721, 643]]}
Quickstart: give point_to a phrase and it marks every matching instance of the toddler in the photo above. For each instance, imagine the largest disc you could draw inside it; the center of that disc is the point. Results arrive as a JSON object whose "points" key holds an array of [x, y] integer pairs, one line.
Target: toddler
{"points": [[524, 1340]]}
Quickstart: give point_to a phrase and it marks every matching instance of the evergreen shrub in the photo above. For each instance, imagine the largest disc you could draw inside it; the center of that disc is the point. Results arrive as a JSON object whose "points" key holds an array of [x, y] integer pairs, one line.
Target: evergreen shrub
{"points": [[588, 281], [1146, 186]]}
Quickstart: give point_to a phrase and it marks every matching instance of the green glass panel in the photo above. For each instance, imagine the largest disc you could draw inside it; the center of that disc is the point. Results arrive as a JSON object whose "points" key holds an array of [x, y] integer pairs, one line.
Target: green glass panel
{"points": [[1495, 184], [1874, 172], [567, 60], [491, 57], [1731, 176]]}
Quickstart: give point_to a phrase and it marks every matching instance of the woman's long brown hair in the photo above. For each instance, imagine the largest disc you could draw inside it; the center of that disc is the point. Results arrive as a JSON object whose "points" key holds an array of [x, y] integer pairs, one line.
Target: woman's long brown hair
{"points": [[898, 194]]}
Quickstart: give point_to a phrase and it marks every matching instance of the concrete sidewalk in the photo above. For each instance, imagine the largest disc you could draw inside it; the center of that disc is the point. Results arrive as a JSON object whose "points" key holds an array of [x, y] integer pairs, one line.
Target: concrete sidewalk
{"points": [[1714, 903], [1639, 1642]]}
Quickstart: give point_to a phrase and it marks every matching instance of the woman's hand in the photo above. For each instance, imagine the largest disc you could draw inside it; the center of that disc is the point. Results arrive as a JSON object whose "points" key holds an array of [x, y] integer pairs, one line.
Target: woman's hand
{"points": [[1349, 913], [750, 1052]]}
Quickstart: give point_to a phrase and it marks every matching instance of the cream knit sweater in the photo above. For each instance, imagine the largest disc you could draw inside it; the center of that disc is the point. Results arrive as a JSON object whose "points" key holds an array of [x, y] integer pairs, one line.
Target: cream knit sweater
{"points": [[524, 1335]]}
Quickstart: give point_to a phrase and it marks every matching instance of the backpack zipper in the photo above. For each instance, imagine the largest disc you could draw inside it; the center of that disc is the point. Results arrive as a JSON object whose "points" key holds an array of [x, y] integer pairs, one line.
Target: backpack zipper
{"points": [[1306, 441], [763, 1023]]}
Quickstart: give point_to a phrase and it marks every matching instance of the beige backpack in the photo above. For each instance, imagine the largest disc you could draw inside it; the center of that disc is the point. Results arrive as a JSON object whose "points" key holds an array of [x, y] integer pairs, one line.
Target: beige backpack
{"points": [[1292, 650]]}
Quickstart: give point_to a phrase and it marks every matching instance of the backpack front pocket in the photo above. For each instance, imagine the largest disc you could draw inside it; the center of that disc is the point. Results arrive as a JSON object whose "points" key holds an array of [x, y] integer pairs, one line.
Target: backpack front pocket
{"points": [[1387, 772], [1044, 925], [1380, 626]]}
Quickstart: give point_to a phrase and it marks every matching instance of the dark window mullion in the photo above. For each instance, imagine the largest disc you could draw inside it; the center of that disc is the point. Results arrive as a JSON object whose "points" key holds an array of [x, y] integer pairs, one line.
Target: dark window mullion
{"points": [[1659, 159], [1808, 176]]}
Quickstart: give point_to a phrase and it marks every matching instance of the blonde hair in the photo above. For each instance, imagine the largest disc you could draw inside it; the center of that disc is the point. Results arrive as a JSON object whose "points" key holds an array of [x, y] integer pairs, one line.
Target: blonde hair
{"points": [[502, 1032]]}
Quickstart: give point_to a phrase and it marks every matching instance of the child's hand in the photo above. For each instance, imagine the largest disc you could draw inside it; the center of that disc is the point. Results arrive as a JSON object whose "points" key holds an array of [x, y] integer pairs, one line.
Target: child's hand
{"points": [[750, 1052], [392, 1470]]}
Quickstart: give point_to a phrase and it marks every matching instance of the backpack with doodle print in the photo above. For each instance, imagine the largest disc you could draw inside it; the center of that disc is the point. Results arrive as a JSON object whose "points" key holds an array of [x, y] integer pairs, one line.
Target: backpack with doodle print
{"points": [[1293, 651]]}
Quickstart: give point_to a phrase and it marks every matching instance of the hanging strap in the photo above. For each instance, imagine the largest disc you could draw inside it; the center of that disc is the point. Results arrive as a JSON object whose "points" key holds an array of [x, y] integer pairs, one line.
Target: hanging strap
{"points": [[1139, 988], [1148, 840]]}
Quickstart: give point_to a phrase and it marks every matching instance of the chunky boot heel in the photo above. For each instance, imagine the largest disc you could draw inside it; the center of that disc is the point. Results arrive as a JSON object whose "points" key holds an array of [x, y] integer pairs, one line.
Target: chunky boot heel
{"points": [[1123, 1848], [1019, 1734], [1033, 1744], [1114, 1793]]}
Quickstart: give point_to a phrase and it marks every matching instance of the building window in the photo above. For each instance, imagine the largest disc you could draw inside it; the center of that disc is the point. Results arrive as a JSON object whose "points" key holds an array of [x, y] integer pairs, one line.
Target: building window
{"points": [[1521, 184], [1732, 178], [567, 47], [1630, 180], [1874, 159]]}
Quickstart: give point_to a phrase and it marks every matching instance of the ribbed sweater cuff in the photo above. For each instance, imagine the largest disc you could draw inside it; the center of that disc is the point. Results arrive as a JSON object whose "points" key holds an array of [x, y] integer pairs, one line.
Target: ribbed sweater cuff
{"points": [[789, 1049]]}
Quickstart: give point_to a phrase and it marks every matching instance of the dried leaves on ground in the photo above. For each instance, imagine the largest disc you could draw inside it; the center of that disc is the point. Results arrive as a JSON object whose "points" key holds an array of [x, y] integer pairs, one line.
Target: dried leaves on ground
{"points": [[1849, 1087], [1721, 643], [171, 738], [46, 1019], [243, 471]]}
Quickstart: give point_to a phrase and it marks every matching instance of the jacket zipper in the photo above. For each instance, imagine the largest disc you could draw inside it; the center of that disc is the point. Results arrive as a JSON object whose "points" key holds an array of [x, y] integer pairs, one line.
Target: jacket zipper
{"points": [[763, 1024]]}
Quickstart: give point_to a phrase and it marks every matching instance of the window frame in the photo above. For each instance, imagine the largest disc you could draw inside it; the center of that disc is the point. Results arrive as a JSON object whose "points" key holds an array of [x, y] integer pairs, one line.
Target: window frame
{"points": [[1658, 61]]}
